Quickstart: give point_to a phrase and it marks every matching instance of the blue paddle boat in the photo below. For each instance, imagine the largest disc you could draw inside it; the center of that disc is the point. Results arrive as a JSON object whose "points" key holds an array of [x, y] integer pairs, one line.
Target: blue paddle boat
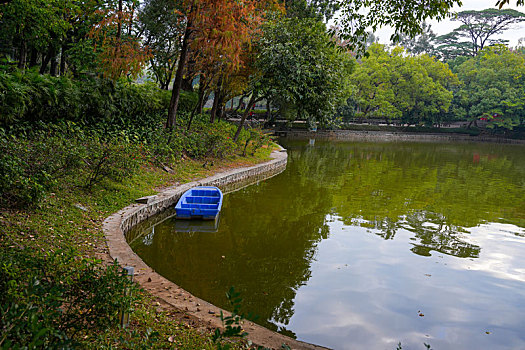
{"points": [[202, 202]]}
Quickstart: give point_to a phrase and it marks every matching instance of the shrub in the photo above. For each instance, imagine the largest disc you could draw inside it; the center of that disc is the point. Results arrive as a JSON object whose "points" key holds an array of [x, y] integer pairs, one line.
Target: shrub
{"points": [[204, 140], [46, 301], [29, 168], [28, 97], [113, 159], [32, 166]]}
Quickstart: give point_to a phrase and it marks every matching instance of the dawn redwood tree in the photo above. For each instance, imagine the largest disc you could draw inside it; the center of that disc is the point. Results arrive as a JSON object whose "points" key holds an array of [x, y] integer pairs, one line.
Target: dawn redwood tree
{"points": [[120, 51], [216, 29]]}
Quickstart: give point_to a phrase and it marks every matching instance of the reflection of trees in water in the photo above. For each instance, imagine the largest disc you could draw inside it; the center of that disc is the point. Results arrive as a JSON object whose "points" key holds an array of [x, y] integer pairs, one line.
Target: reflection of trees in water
{"points": [[432, 233], [391, 186], [269, 232], [294, 219], [267, 249]]}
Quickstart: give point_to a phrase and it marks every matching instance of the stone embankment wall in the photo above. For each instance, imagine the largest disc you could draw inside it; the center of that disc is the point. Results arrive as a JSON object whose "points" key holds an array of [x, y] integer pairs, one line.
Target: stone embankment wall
{"points": [[227, 181], [171, 295], [385, 136]]}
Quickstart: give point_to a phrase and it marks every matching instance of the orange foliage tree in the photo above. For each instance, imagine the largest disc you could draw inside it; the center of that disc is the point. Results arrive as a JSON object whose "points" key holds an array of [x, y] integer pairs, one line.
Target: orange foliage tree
{"points": [[217, 31], [119, 51]]}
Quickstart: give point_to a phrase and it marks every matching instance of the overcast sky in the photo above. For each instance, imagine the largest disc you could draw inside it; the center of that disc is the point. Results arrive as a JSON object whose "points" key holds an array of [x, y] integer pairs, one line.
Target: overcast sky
{"points": [[443, 27]]}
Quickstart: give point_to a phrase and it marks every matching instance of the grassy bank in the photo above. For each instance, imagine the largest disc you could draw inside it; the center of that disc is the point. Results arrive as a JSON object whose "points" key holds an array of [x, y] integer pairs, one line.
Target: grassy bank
{"points": [[72, 152], [62, 234]]}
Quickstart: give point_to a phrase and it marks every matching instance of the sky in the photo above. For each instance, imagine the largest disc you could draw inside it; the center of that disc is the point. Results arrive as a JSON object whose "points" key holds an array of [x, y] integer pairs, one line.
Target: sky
{"points": [[444, 27]]}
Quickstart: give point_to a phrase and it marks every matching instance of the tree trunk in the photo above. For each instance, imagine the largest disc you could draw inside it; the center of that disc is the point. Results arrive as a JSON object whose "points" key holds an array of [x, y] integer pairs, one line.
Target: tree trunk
{"points": [[119, 20], [45, 61], [202, 91], [34, 58], [203, 103], [241, 102], [222, 108], [53, 69], [215, 105], [168, 80], [243, 118], [23, 55], [174, 102], [198, 106], [187, 84], [63, 58]]}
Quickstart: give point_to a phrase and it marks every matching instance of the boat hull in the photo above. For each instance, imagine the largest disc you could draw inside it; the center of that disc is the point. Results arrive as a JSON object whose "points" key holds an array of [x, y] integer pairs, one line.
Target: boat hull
{"points": [[202, 202]]}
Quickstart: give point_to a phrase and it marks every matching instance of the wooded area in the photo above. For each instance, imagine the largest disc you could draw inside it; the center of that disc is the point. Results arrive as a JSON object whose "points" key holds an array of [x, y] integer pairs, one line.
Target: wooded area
{"points": [[94, 92]]}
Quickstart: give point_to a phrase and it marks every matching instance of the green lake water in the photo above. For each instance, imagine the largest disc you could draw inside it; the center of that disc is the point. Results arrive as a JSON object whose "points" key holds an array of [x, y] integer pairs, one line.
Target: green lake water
{"points": [[364, 245]]}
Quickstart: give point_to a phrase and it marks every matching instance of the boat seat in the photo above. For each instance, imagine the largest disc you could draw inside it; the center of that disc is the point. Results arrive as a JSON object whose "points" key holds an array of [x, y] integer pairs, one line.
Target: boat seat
{"points": [[204, 200], [199, 206], [204, 193]]}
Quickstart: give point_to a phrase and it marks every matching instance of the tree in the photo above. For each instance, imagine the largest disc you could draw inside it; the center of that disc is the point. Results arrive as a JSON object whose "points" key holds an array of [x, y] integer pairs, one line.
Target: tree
{"points": [[478, 28], [390, 85], [216, 29], [31, 26], [449, 47], [120, 52], [302, 70], [494, 87], [321, 10], [62, 34], [161, 25], [405, 17], [421, 43]]}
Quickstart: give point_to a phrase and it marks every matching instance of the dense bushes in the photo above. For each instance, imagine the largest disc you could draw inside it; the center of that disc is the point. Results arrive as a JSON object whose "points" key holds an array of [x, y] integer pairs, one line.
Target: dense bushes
{"points": [[30, 167], [34, 163], [46, 300], [30, 97], [82, 132]]}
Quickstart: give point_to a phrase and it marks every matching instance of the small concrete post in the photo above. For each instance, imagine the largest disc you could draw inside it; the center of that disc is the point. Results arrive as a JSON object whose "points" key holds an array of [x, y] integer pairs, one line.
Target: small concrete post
{"points": [[124, 316]]}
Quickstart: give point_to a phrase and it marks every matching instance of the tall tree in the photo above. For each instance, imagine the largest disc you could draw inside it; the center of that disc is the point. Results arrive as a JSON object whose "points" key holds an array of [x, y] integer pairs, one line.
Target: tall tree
{"points": [[32, 26], [302, 70], [162, 26], [390, 85], [405, 17], [479, 28], [494, 87], [421, 43], [120, 51], [216, 29], [450, 46]]}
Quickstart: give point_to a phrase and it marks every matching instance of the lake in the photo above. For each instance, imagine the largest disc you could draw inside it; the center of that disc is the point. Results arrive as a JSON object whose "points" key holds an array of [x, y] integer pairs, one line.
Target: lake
{"points": [[365, 245]]}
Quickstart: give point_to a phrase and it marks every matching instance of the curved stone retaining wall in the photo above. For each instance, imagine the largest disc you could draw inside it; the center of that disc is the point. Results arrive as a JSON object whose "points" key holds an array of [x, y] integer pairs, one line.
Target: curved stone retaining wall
{"points": [[386, 136], [117, 225]]}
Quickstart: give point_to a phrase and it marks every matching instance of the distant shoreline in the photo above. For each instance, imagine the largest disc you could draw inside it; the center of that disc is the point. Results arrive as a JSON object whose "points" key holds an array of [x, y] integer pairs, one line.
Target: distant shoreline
{"points": [[386, 136]]}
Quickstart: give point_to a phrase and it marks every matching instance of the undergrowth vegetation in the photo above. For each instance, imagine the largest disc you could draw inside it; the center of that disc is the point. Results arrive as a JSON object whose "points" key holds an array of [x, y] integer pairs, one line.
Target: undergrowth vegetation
{"points": [[72, 153]]}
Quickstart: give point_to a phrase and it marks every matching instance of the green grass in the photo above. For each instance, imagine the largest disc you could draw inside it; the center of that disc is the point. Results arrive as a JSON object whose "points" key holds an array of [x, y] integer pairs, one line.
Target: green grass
{"points": [[70, 220]]}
